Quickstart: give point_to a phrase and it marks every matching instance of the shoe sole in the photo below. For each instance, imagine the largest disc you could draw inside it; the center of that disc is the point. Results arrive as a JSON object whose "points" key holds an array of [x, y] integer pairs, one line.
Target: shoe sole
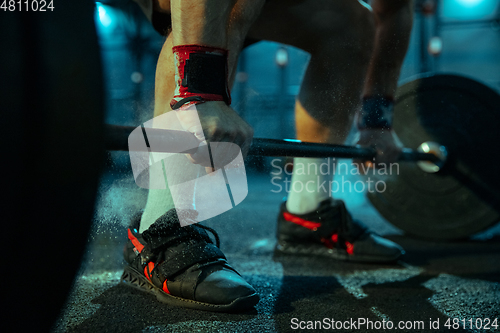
{"points": [[320, 250], [133, 278]]}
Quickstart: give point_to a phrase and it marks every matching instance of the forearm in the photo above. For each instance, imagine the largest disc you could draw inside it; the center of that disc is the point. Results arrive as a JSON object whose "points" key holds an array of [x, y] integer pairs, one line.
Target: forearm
{"points": [[393, 27], [201, 22]]}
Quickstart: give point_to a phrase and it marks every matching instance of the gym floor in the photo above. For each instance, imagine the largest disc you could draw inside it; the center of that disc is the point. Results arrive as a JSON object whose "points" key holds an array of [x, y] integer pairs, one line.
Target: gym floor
{"points": [[434, 281]]}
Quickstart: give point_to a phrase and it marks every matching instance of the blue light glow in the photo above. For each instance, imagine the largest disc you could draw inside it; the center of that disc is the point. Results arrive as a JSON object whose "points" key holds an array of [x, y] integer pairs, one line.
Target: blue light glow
{"points": [[468, 9], [469, 3], [104, 17]]}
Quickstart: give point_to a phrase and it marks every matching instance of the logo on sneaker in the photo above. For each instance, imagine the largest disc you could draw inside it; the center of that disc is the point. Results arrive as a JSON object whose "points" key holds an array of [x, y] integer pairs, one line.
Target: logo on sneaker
{"points": [[176, 160]]}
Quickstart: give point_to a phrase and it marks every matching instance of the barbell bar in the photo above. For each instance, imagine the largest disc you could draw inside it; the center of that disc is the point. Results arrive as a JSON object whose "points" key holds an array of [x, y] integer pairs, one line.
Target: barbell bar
{"points": [[116, 138]]}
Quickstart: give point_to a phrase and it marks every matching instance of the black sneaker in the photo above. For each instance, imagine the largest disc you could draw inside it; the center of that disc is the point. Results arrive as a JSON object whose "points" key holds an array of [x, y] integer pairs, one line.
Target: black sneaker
{"points": [[330, 231], [182, 267]]}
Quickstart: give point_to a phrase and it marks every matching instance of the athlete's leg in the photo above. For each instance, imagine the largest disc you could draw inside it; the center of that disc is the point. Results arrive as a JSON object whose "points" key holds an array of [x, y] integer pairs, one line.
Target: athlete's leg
{"points": [[203, 279], [241, 15], [339, 35]]}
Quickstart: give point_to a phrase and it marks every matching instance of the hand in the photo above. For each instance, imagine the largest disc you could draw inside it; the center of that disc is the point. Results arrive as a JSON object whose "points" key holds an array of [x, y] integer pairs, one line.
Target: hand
{"points": [[386, 142], [216, 122]]}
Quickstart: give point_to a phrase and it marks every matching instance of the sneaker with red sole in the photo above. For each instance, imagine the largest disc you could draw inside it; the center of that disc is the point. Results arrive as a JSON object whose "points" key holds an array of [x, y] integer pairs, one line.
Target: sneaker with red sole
{"points": [[330, 231], [183, 267]]}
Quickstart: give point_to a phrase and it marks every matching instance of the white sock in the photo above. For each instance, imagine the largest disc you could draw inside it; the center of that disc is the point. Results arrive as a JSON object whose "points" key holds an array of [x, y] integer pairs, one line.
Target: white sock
{"points": [[305, 195], [159, 200]]}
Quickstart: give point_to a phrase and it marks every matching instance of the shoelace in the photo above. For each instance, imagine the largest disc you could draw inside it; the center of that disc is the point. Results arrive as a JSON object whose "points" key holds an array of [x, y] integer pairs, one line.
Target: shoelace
{"points": [[161, 256], [345, 227], [214, 233]]}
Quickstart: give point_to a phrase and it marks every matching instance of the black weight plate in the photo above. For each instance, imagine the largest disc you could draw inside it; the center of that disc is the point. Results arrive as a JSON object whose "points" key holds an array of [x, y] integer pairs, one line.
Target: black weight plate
{"points": [[52, 103], [464, 116]]}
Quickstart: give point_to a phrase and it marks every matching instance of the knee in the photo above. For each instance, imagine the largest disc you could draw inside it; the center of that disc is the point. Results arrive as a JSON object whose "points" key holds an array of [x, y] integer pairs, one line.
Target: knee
{"points": [[244, 14], [362, 26], [350, 31], [362, 34]]}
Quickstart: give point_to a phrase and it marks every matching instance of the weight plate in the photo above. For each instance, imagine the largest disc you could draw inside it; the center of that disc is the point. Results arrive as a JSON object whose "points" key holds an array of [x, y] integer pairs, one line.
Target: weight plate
{"points": [[463, 198], [52, 102]]}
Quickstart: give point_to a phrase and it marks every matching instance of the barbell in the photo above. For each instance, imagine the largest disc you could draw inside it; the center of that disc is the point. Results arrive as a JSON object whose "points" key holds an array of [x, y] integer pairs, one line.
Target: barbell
{"points": [[447, 122], [116, 138]]}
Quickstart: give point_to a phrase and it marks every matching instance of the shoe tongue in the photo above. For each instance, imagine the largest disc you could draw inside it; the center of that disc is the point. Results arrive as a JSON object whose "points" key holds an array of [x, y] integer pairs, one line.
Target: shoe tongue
{"points": [[167, 228], [329, 207], [335, 210]]}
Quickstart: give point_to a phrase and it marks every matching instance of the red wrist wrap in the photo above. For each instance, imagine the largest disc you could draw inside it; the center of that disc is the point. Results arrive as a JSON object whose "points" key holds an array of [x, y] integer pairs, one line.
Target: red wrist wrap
{"points": [[201, 75]]}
